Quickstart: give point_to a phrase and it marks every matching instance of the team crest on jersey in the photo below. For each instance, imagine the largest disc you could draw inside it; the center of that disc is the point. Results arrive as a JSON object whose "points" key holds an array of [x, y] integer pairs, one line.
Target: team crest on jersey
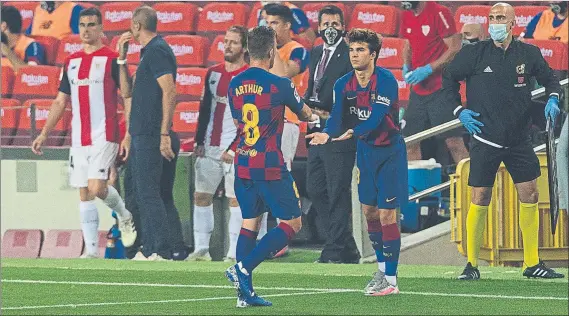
{"points": [[521, 69], [426, 29]]}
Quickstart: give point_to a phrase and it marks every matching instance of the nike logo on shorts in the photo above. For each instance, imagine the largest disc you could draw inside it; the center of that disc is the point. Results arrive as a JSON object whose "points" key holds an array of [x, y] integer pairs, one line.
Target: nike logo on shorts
{"points": [[390, 200]]}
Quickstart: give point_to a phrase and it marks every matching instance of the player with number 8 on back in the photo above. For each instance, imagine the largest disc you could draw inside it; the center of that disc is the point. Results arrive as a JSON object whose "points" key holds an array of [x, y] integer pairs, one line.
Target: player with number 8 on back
{"points": [[257, 99]]}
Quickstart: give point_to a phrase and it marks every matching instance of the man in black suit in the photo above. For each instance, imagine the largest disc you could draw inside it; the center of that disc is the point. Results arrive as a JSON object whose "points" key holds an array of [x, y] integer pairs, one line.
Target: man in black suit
{"points": [[330, 166]]}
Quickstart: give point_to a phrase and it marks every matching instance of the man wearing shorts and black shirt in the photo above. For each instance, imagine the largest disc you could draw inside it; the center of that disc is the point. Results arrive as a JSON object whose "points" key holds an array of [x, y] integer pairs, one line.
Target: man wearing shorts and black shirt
{"points": [[432, 42]]}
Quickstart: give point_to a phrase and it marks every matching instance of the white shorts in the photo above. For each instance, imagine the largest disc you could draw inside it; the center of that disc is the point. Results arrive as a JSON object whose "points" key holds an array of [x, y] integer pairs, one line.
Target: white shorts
{"points": [[289, 142], [91, 162], [209, 173]]}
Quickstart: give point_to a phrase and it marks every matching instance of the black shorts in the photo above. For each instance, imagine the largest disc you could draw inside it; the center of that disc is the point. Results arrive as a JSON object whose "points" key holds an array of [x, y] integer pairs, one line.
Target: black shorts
{"points": [[426, 111], [520, 161]]}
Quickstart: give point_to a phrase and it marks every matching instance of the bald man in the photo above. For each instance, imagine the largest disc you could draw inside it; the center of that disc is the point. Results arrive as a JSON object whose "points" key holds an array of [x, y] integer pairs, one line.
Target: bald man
{"points": [[498, 72], [472, 33]]}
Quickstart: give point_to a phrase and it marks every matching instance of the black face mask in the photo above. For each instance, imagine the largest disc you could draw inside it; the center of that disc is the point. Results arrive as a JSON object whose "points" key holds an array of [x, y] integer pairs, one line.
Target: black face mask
{"points": [[331, 35], [467, 41], [409, 5], [49, 6], [559, 8]]}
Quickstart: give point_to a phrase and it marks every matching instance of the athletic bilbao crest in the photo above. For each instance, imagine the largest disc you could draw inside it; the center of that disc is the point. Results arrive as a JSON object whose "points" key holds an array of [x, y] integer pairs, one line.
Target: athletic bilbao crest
{"points": [[425, 29], [521, 79]]}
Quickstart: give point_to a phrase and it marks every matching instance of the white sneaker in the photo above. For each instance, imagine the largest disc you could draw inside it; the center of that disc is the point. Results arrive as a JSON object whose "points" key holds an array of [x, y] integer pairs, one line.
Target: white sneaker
{"points": [[156, 257], [89, 256], [199, 255], [128, 231], [139, 257]]}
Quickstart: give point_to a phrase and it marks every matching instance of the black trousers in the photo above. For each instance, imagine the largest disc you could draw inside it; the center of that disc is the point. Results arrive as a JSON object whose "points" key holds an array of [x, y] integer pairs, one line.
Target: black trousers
{"points": [[329, 188], [149, 183]]}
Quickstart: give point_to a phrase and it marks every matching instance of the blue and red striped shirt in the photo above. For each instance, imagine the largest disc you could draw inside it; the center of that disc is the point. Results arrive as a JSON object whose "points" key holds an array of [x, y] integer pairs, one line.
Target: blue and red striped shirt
{"points": [[371, 111], [257, 99]]}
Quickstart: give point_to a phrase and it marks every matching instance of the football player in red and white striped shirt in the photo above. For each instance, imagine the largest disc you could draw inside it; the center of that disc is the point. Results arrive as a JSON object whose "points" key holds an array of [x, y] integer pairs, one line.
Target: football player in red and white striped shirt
{"points": [[216, 132], [90, 79]]}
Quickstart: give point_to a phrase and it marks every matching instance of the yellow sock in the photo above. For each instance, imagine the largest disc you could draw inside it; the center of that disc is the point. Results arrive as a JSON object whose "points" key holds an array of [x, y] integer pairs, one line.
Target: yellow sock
{"points": [[529, 224], [475, 220]]}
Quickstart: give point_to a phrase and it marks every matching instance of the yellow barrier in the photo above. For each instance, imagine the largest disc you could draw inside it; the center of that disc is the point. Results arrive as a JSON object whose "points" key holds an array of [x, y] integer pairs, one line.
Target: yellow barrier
{"points": [[502, 243]]}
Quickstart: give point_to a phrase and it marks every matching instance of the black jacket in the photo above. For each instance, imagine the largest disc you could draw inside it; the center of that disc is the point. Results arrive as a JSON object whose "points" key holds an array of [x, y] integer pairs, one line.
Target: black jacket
{"points": [[338, 66], [498, 87]]}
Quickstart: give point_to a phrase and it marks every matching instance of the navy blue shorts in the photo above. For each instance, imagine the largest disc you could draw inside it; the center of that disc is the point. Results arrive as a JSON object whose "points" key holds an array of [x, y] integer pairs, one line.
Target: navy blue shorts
{"points": [[382, 175], [280, 197]]}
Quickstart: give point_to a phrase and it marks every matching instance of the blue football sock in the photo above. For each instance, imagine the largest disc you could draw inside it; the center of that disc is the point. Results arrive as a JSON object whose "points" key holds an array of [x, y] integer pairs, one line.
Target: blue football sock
{"points": [[391, 248], [375, 235], [274, 240], [245, 243]]}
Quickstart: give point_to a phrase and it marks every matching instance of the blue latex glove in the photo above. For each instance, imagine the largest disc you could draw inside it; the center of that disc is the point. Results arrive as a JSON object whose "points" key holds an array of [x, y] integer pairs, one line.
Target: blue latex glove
{"points": [[419, 74], [552, 109], [470, 123], [405, 70]]}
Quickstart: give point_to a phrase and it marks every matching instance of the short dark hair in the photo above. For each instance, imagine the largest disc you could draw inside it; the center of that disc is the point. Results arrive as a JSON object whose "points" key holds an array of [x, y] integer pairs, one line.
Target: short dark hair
{"points": [[147, 17], [260, 41], [330, 10], [366, 36], [93, 11], [11, 15], [242, 31], [277, 9]]}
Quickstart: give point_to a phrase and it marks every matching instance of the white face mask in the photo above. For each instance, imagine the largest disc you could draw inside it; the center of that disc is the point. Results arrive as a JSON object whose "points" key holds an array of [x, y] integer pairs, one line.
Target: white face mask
{"points": [[498, 32]]}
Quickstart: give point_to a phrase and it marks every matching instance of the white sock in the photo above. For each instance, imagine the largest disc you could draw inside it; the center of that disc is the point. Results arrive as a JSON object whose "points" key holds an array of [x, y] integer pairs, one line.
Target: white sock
{"points": [[115, 202], [90, 226], [381, 266], [235, 221], [203, 226], [263, 228], [391, 279]]}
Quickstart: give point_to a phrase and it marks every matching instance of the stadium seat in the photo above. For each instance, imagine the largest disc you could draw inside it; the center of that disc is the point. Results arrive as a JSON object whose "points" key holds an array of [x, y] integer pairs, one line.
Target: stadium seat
{"points": [[70, 45], [185, 119], [190, 83], [472, 14], [133, 53], [190, 50], [306, 43], [311, 10], [216, 52], [24, 133], [554, 52], [176, 17], [391, 53], [187, 145], [383, 19], [318, 41], [36, 82], [10, 115], [7, 81], [254, 15], [50, 46], [22, 243], [404, 88], [463, 92], [62, 244], [524, 14], [27, 9], [217, 17], [117, 16]]}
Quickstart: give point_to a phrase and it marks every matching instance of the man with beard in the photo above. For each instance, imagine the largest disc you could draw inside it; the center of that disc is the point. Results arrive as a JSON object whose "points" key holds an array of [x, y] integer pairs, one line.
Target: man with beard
{"points": [[215, 134], [18, 50], [550, 24]]}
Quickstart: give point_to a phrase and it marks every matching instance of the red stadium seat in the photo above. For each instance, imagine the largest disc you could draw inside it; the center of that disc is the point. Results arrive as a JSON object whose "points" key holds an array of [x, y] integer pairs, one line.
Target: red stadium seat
{"points": [[311, 10], [22, 243], [318, 41], [117, 16], [176, 17], [217, 17], [463, 92], [10, 117], [554, 52], [190, 50], [216, 52], [36, 81], [383, 19], [70, 45], [133, 53], [190, 83], [185, 120], [7, 81], [254, 15], [50, 45], [404, 88], [472, 14], [524, 14], [62, 244], [306, 43], [24, 132], [391, 53], [27, 9]]}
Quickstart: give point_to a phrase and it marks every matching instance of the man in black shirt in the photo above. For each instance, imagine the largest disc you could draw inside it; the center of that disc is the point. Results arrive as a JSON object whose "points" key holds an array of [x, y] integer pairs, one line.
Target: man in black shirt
{"points": [[497, 73]]}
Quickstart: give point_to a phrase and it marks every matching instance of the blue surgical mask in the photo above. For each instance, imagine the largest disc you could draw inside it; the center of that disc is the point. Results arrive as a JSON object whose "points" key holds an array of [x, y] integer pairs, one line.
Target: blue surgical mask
{"points": [[498, 32]]}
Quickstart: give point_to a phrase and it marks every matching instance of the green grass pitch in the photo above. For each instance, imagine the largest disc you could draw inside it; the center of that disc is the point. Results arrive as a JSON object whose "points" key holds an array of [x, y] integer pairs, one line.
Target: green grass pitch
{"points": [[121, 287]]}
